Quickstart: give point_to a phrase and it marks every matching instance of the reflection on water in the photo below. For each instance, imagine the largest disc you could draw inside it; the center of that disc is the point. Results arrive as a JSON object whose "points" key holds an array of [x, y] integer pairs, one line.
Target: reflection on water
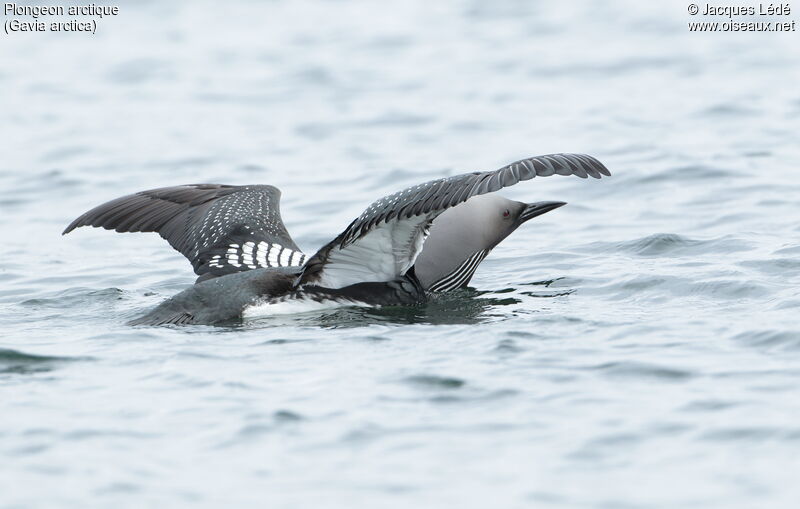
{"points": [[465, 306]]}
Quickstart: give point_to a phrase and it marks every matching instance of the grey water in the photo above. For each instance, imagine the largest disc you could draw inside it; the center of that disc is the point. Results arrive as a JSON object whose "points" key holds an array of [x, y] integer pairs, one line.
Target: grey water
{"points": [[638, 348]]}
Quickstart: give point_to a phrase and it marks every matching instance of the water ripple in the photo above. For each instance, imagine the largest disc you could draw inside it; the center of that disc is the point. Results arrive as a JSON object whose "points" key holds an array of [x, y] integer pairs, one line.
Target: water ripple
{"points": [[638, 348], [16, 362], [781, 340], [435, 382], [643, 370], [673, 244]]}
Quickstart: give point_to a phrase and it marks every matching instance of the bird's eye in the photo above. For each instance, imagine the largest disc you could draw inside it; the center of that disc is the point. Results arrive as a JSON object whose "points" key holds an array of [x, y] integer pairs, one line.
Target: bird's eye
{"points": [[506, 213]]}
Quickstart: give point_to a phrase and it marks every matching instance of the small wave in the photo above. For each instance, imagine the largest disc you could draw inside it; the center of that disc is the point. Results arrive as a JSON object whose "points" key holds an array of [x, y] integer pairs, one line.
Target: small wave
{"points": [[435, 382], [286, 416], [681, 286], [770, 339], [98, 433], [120, 487], [76, 296], [673, 244], [728, 110], [14, 361], [774, 266], [788, 304], [451, 398], [750, 434], [708, 405], [27, 187], [729, 289], [791, 250], [599, 447], [658, 244], [687, 173], [395, 119], [507, 346], [601, 69], [636, 369]]}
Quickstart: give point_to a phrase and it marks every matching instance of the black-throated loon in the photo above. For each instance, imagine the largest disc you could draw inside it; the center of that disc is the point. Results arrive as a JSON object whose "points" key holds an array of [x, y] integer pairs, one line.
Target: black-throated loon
{"points": [[429, 237]]}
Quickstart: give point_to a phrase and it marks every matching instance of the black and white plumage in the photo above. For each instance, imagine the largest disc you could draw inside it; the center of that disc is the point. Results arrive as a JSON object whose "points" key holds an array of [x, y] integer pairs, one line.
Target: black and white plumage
{"points": [[463, 236], [371, 262], [460, 276], [221, 229], [389, 234]]}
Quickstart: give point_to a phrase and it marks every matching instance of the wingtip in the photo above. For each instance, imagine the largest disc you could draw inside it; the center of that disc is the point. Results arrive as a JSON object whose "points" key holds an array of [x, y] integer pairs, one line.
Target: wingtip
{"points": [[75, 224], [600, 167]]}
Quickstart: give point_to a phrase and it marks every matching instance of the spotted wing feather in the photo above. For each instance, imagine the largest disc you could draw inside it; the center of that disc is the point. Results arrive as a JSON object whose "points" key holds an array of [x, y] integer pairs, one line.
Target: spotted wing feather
{"points": [[221, 229]]}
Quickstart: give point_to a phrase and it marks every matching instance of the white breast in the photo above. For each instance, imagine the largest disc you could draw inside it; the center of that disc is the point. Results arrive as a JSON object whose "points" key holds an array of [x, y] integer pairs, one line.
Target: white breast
{"points": [[291, 306]]}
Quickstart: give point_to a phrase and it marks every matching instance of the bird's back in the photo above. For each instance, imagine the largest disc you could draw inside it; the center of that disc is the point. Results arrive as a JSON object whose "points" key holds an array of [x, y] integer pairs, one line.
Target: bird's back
{"points": [[222, 298]]}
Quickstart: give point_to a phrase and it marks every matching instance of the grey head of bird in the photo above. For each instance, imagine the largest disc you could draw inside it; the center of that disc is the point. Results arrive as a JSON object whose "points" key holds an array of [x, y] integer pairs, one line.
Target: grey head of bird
{"points": [[462, 236]]}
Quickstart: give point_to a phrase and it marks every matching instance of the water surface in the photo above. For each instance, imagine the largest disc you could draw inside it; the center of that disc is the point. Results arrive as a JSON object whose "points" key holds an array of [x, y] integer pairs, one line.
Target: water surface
{"points": [[639, 347]]}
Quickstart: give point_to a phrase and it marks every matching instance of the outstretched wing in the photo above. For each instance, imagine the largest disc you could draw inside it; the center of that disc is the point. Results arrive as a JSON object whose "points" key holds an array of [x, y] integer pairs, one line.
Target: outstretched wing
{"points": [[221, 229], [384, 241]]}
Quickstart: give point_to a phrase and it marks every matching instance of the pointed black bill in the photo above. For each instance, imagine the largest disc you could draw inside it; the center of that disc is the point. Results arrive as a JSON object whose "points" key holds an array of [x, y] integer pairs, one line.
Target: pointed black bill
{"points": [[538, 208]]}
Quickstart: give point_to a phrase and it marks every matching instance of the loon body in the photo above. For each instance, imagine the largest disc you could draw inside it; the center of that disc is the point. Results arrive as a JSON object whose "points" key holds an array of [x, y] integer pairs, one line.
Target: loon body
{"points": [[426, 238]]}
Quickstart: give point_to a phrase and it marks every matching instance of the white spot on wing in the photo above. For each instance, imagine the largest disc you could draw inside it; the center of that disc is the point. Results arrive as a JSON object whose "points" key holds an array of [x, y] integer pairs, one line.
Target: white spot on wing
{"points": [[272, 258], [233, 259], [285, 257], [261, 254]]}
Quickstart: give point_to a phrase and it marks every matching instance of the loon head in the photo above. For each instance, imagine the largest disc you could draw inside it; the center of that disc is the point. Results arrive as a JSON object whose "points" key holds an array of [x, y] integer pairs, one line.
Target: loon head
{"points": [[477, 225], [497, 217], [484, 221]]}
